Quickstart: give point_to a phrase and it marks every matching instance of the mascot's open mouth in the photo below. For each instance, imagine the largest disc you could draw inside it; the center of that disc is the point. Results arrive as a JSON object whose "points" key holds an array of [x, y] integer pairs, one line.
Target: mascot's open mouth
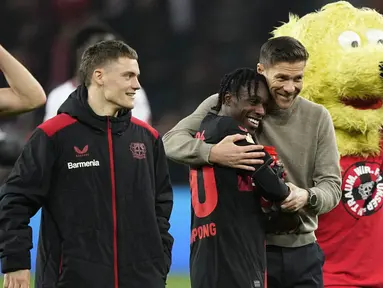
{"points": [[364, 104]]}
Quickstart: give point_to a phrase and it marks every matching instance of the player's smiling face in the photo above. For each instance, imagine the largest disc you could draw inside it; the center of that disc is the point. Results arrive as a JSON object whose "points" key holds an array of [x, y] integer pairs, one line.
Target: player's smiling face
{"points": [[249, 109]]}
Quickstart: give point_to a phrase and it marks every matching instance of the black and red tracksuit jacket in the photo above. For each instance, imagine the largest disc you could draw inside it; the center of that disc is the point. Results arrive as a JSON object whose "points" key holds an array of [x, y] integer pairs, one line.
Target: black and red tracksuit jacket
{"points": [[104, 188]]}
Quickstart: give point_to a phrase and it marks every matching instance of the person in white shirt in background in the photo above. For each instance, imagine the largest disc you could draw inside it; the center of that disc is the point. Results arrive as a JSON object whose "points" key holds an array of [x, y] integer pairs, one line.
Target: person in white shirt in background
{"points": [[86, 37]]}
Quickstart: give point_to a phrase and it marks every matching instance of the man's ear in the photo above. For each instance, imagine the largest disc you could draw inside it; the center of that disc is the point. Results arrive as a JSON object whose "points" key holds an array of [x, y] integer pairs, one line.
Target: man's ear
{"points": [[98, 76], [227, 99], [260, 68]]}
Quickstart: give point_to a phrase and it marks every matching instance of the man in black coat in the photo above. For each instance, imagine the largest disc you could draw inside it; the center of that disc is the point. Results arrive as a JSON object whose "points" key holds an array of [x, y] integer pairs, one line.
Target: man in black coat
{"points": [[102, 180]]}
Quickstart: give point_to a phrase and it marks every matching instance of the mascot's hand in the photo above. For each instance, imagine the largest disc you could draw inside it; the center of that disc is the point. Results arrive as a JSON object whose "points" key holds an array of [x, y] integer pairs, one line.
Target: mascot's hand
{"points": [[296, 200]]}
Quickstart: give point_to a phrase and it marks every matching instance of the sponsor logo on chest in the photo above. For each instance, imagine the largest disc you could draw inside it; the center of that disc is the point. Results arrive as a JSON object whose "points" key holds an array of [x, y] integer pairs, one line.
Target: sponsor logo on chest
{"points": [[83, 164], [84, 152]]}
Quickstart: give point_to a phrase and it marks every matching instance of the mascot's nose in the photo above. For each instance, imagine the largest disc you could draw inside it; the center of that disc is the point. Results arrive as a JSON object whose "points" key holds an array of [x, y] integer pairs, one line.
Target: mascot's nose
{"points": [[381, 69]]}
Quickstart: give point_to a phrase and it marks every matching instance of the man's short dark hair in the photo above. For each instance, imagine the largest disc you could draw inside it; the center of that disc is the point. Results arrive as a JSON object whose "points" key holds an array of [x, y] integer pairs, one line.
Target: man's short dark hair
{"points": [[282, 49], [100, 54], [232, 83]]}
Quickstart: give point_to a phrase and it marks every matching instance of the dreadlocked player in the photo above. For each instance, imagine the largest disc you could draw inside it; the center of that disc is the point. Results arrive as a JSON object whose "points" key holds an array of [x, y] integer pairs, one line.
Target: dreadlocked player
{"points": [[228, 233]]}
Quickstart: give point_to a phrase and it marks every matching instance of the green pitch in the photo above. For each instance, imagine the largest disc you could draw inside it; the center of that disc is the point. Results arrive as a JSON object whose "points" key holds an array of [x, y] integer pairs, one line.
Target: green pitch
{"points": [[174, 281], [178, 282]]}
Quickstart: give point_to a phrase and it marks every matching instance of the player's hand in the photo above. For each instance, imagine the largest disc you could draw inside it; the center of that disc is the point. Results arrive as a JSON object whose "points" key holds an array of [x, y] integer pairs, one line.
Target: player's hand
{"points": [[227, 153], [296, 200], [17, 279]]}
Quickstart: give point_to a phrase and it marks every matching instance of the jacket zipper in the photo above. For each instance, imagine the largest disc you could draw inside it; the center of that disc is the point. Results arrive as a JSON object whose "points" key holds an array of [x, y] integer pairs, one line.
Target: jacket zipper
{"points": [[114, 212]]}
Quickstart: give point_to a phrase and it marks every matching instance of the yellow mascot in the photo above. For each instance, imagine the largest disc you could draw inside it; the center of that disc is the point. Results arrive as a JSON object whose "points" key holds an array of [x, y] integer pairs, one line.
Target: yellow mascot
{"points": [[345, 74]]}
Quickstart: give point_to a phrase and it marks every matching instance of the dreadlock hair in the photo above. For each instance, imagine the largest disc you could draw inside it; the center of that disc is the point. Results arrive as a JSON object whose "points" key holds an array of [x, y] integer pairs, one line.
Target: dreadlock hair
{"points": [[232, 83]]}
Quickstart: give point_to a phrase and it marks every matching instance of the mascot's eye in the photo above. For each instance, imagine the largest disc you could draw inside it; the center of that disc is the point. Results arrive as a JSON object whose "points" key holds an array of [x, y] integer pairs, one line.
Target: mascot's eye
{"points": [[349, 39], [375, 36]]}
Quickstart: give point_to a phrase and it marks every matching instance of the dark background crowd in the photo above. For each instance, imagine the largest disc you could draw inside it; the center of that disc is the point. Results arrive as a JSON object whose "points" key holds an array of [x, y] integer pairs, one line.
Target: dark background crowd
{"points": [[184, 47]]}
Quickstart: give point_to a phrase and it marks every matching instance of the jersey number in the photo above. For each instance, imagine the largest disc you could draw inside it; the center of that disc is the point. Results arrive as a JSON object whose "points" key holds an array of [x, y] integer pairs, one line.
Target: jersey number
{"points": [[202, 181]]}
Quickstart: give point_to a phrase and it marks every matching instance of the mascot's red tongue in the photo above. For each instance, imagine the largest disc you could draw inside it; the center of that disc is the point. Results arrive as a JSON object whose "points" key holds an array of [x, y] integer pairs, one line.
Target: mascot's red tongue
{"points": [[364, 104]]}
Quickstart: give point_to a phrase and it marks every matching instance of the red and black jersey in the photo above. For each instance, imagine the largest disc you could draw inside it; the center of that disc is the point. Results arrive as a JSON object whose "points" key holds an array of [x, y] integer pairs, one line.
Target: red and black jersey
{"points": [[104, 188], [227, 226]]}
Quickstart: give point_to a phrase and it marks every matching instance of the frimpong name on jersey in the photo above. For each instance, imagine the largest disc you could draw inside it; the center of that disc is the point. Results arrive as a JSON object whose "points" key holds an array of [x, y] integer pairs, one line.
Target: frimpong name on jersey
{"points": [[362, 188], [203, 180]]}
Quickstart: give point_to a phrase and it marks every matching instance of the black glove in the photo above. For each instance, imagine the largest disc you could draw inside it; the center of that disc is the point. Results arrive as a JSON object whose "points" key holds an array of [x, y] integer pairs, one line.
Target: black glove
{"points": [[268, 182]]}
